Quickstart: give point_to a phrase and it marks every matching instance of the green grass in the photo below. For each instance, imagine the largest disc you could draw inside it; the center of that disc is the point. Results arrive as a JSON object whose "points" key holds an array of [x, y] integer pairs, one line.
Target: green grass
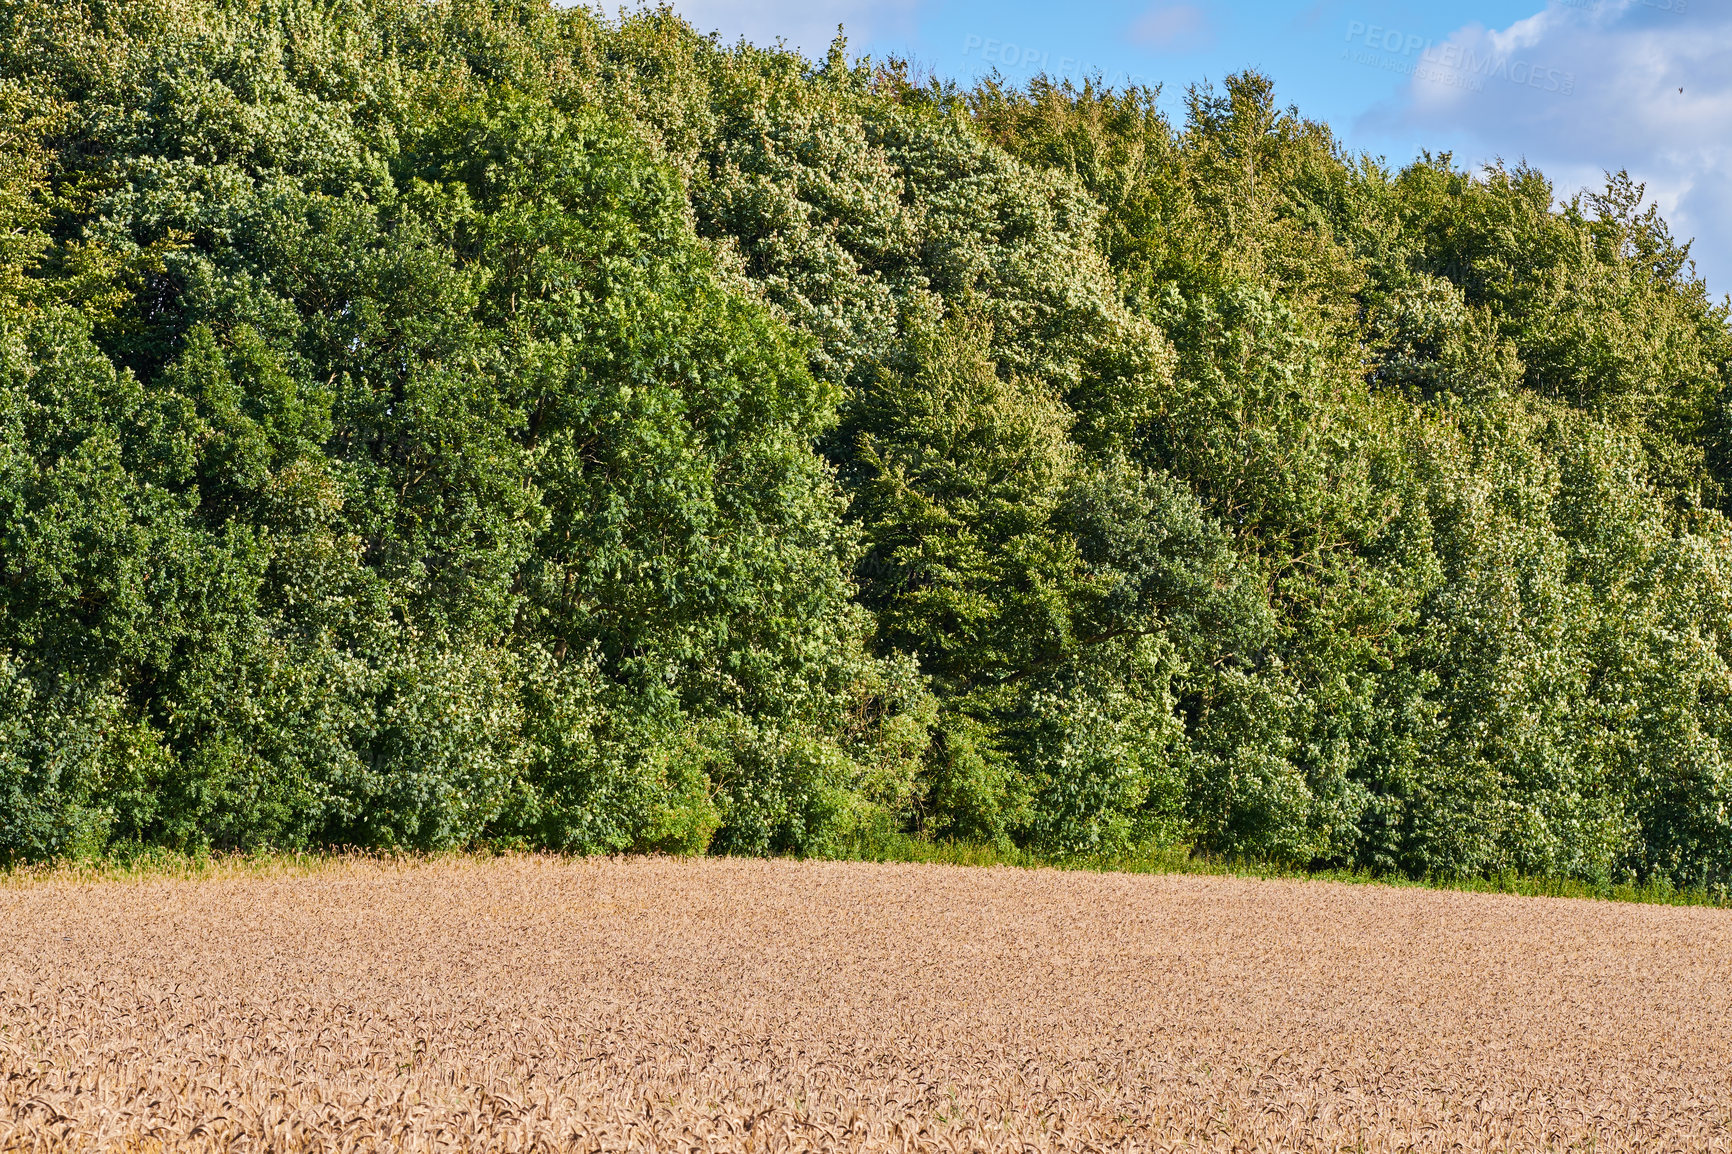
{"points": [[152, 863], [1180, 860]]}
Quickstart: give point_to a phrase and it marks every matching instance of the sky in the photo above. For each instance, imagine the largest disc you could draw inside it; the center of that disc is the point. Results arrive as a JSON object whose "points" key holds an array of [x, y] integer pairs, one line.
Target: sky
{"points": [[1576, 88]]}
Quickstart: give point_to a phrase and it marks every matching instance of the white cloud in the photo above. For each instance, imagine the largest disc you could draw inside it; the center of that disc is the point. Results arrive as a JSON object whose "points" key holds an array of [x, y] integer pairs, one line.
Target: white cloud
{"points": [[807, 25], [1588, 86]]}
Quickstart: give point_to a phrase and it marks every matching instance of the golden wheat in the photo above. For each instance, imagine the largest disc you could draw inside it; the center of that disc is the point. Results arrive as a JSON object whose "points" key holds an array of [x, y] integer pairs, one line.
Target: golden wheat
{"points": [[534, 1003]]}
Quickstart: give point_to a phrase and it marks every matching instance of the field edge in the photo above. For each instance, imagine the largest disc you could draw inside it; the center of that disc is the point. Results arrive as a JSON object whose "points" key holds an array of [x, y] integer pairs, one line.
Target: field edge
{"points": [[156, 863]]}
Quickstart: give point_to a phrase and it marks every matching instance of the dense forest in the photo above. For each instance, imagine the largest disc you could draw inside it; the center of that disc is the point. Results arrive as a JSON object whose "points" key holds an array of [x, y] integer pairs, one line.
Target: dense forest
{"points": [[435, 423]]}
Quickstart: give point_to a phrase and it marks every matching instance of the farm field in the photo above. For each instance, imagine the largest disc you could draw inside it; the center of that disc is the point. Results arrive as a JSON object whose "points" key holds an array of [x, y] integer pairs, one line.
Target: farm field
{"points": [[669, 1004]]}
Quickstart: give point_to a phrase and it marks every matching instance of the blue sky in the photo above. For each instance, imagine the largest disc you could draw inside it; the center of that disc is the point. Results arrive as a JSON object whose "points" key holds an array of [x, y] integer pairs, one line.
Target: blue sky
{"points": [[1575, 87]]}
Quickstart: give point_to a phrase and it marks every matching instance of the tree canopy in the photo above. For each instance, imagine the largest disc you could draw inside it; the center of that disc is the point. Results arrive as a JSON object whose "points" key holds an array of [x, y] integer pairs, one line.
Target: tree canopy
{"points": [[430, 423]]}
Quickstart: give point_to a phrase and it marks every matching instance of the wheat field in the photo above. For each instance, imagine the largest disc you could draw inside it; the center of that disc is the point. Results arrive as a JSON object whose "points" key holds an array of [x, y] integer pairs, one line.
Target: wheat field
{"points": [[656, 1004]]}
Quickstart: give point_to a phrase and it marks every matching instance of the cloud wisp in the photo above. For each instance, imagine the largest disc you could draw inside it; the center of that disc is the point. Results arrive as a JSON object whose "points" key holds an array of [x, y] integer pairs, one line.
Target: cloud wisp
{"points": [[1173, 28]]}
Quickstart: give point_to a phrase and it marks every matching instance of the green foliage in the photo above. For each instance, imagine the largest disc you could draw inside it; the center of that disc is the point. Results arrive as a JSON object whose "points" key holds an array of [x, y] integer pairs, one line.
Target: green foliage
{"points": [[387, 464], [430, 425]]}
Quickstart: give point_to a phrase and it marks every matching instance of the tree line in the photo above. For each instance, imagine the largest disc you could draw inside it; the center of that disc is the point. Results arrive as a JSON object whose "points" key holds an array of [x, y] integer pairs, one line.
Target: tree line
{"points": [[424, 424]]}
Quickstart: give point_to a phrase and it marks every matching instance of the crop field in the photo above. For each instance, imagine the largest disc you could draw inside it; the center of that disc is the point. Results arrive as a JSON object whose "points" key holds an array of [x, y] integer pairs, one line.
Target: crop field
{"points": [[716, 1004]]}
